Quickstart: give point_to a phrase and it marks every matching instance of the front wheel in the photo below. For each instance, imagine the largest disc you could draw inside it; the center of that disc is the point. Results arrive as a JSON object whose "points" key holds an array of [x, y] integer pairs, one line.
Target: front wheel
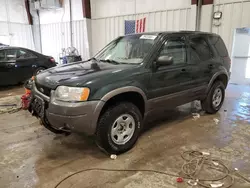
{"points": [[214, 99], [119, 127]]}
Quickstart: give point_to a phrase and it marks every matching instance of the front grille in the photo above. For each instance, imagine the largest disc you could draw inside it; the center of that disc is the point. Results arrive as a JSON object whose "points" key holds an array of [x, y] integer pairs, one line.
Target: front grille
{"points": [[43, 89]]}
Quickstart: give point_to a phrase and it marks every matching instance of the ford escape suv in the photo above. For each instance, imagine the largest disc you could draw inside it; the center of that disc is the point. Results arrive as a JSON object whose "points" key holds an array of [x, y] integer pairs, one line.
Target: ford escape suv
{"points": [[110, 94]]}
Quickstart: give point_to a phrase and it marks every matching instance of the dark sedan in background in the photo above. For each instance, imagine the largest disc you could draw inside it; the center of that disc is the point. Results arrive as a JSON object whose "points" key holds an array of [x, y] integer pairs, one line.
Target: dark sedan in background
{"points": [[19, 64]]}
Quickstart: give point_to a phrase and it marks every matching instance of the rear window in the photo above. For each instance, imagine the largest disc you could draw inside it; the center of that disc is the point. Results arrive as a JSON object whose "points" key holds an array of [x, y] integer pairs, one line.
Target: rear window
{"points": [[219, 45]]}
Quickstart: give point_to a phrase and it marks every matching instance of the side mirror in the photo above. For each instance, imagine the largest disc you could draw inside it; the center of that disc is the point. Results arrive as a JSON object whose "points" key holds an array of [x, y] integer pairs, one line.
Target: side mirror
{"points": [[164, 61]]}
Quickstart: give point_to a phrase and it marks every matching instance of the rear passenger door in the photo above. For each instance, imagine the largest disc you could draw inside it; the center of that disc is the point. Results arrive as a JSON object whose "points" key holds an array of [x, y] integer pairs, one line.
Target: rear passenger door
{"points": [[201, 59], [25, 62]]}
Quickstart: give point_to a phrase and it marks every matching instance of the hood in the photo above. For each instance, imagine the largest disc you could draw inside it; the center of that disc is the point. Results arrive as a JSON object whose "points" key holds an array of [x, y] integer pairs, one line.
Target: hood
{"points": [[77, 74]]}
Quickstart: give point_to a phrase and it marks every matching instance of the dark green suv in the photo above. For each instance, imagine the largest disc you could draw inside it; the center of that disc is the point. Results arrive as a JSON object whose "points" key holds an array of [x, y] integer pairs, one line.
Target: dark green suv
{"points": [[110, 94]]}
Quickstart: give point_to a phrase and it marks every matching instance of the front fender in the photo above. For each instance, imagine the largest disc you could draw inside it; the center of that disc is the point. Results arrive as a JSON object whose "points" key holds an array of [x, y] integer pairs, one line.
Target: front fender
{"points": [[107, 92]]}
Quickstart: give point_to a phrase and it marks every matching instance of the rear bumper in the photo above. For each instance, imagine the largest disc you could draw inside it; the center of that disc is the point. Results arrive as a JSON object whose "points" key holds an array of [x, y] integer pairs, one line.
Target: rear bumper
{"points": [[79, 117]]}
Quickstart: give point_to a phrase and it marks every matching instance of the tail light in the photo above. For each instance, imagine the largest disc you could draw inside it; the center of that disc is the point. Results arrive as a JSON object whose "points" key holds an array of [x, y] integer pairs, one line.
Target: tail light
{"points": [[52, 60]]}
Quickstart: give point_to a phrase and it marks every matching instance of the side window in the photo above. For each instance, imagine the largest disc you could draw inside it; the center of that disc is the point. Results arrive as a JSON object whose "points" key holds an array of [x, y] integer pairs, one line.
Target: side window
{"points": [[22, 54], [2, 55], [200, 49], [175, 48], [11, 54]]}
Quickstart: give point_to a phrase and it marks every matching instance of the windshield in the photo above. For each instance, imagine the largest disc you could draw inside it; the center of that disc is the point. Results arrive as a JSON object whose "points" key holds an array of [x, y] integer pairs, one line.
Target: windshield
{"points": [[130, 49]]}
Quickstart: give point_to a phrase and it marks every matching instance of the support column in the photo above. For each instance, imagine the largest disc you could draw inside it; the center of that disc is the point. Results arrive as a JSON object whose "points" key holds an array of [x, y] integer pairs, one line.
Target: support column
{"points": [[34, 21], [206, 19], [86, 9], [193, 14]]}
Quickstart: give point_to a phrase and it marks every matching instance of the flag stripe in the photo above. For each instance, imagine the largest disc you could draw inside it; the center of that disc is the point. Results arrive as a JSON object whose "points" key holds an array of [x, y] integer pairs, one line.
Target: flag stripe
{"points": [[144, 24], [141, 25], [137, 26]]}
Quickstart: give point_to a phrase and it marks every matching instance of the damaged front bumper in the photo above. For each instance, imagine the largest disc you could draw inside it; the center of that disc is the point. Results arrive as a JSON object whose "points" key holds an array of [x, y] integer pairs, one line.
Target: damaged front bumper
{"points": [[79, 117]]}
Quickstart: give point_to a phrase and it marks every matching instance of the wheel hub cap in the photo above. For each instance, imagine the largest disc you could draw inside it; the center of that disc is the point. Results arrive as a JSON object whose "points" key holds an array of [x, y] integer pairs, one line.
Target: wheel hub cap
{"points": [[123, 129], [217, 97]]}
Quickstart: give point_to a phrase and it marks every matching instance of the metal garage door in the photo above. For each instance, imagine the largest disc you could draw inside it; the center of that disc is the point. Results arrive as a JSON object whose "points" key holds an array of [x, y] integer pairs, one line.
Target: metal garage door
{"points": [[241, 57]]}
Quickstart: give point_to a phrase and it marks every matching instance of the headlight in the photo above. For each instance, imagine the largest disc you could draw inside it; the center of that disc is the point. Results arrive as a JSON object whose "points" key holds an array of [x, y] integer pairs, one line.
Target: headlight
{"points": [[65, 93]]}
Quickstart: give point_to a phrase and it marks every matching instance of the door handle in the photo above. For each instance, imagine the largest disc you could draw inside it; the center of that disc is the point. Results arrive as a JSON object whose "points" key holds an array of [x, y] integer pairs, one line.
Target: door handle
{"points": [[183, 70], [10, 65]]}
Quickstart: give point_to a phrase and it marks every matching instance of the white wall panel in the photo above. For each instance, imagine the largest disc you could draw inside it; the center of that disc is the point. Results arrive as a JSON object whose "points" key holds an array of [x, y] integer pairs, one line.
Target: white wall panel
{"points": [[3, 12], [17, 11], [112, 8], [14, 28], [21, 35], [235, 15], [106, 29], [14, 10], [4, 30], [62, 14], [228, 1], [56, 36]]}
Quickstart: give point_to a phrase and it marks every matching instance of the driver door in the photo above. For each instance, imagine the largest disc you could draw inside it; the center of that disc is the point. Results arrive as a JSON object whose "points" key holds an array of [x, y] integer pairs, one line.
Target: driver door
{"points": [[170, 84]]}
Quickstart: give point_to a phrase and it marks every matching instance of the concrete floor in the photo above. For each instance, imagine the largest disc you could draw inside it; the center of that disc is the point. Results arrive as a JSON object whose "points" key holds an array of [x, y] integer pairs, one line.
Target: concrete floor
{"points": [[31, 156]]}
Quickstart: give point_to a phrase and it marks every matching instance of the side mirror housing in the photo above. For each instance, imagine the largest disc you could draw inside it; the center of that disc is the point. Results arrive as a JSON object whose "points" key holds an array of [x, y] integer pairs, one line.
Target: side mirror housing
{"points": [[164, 61]]}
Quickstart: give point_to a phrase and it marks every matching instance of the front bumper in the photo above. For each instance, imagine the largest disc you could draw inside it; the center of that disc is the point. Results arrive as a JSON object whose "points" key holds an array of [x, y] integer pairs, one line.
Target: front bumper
{"points": [[79, 117]]}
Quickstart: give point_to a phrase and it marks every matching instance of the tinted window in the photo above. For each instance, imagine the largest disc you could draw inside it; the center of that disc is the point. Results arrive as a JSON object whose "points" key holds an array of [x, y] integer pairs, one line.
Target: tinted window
{"points": [[22, 54], [2, 55], [219, 45], [175, 48], [11, 54], [200, 49]]}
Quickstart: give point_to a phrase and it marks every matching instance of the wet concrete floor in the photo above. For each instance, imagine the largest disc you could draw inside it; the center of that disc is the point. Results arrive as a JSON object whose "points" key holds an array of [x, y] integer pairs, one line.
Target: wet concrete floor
{"points": [[11, 91], [31, 156]]}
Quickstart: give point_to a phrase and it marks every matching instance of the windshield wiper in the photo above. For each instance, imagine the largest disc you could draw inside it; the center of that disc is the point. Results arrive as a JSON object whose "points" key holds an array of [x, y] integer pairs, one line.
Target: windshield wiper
{"points": [[110, 61], [93, 58]]}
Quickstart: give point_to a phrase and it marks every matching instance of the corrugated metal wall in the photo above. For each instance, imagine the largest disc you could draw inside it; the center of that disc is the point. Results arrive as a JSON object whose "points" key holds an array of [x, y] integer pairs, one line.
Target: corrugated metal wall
{"points": [[21, 35], [17, 34], [235, 15], [106, 29], [56, 36]]}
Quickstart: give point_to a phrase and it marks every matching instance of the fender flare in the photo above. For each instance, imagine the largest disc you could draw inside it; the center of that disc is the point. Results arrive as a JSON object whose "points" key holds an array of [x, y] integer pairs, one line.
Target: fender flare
{"points": [[121, 90], [114, 93], [214, 77]]}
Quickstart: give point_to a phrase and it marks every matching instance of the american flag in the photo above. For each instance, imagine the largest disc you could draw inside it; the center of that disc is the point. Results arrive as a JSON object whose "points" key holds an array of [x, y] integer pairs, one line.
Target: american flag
{"points": [[135, 26]]}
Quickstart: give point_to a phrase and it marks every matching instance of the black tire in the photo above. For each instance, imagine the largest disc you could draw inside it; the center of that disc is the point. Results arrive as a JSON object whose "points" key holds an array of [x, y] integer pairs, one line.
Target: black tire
{"points": [[207, 104], [107, 121], [38, 70]]}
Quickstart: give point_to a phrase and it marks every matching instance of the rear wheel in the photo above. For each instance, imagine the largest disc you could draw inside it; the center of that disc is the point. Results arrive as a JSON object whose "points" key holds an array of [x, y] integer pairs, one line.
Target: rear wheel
{"points": [[119, 127], [38, 70], [214, 99]]}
